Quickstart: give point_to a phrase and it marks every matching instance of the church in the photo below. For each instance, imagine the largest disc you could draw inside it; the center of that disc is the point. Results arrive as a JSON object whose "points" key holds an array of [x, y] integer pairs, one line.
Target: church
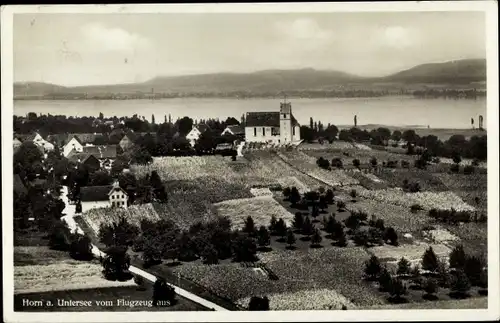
{"points": [[273, 127]]}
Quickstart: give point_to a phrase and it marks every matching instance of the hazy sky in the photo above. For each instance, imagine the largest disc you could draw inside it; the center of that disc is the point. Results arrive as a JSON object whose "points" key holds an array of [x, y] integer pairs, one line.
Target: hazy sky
{"points": [[80, 49]]}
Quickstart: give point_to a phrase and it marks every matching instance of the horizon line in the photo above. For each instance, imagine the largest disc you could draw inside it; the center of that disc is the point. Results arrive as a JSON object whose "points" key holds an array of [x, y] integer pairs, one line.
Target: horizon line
{"points": [[253, 72]]}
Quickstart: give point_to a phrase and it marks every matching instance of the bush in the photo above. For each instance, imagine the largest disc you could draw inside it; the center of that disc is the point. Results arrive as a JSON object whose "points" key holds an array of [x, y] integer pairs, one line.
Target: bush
{"points": [[469, 169], [429, 260], [139, 281], [340, 206], [473, 267], [353, 194], [405, 164], [454, 168], [460, 285], [397, 289], [415, 208], [258, 304], [372, 268], [431, 287], [163, 294], [385, 280], [361, 237], [458, 257], [337, 162], [316, 238], [392, 164], [373, 161], [60, 237], [356, 162], [404, 267], [323, 163], [392, 236], [81, 248]]}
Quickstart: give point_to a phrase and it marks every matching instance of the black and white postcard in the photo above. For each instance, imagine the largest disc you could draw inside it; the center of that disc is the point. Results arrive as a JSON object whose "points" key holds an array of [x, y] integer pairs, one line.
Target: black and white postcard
{"points": [[293, 161]]}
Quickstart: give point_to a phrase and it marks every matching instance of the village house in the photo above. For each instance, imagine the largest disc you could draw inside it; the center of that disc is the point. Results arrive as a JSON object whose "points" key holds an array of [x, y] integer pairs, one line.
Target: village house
{"points": [[234, 130], [94, 197], [16, 144], [195, 133], [38, 140], [74, 145], [128, 141], [273, 127], [86, 159]]}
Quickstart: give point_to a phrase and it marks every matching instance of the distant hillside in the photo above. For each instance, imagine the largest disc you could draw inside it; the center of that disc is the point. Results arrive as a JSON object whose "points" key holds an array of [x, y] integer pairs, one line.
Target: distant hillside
{"points": [[270, 81], [460, 71]]}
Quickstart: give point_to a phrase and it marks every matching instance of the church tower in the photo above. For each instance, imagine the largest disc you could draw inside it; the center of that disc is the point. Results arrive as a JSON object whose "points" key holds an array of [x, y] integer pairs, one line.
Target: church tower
{"points": [[285, 122]]}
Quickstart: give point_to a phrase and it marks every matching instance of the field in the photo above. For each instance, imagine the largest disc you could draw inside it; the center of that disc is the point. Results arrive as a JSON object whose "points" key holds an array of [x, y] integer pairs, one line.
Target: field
{"points": [[61, 276], [393, 215], [471, 303], [261, 209], [310, 279], [413, 252], [134, 214], [25, 256]]}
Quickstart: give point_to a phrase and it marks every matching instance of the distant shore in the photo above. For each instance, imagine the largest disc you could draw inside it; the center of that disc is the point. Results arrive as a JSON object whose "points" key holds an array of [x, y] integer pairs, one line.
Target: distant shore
{"points": [[441, 133]]}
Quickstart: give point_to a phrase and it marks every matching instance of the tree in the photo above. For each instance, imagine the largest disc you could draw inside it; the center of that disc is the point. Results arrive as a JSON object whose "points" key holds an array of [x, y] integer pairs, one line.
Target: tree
{"points": [[460, 284], [316, 238], [361, 237], [159, 191], [391, 236], [331, 133], [473, 267], [290, 238], [263, 237], [372, 268], [209, 255], [286, 193], [373, 161], [298, 221], [272, 224], [120, 233], [456, 157], [329, 196], [385, 280], [294, 196], [141, 156], [341, 239], [458, 257], [429, 260], [163, 294], [307, 227], [330, 225], [184, 125], [100, 178], [431, 287], [356, 163], [397, 289], [116, 263], [244, 248], [315, 212], [59, 237], [281, 228], [258, 304], [81, 248], [404, 267], [249, 227]]}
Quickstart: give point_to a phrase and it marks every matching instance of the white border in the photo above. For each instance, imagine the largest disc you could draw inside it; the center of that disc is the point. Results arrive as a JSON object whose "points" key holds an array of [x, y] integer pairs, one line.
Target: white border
{"points": [[491, 10]]}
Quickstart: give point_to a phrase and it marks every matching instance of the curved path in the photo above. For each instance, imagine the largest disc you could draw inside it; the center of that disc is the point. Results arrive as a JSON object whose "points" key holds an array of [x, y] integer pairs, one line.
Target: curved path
{"points": [[69, 212]]}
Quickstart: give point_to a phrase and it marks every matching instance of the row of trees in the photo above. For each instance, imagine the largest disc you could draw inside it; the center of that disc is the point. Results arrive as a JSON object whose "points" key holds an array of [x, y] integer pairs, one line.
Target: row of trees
{"points": [[463, 272]]}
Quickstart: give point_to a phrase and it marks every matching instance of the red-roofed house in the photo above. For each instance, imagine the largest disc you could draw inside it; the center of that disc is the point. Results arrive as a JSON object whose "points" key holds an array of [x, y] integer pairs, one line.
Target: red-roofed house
{"points": [[273, 127]]}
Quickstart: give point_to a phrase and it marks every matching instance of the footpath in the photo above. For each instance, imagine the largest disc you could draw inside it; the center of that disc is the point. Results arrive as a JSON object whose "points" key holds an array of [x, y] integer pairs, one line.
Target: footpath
{"points": [[68, 218]]}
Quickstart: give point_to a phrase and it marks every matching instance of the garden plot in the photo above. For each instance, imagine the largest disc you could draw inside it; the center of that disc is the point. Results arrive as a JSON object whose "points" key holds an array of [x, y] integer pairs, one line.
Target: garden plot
{"points": [[292, 181], [261, 209], [427, 200], [61, 276], [426, 179], [412, 252], [440, 235], [261, 192], [305, 300], [394, 216], [134, 215], [331, 268], [24, 256], [368, 181], [337, 145]]}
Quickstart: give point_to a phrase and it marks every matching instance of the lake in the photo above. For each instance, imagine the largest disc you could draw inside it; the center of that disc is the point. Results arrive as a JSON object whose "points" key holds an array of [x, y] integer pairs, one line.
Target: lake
{"points": [[393, 111]]}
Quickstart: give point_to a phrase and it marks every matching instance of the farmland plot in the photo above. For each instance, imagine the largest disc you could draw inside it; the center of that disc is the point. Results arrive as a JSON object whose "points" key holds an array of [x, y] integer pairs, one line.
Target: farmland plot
{"points": [[43, 278], [261, 209], [134, 214], [395, 216], [338, 269], [305, 300], [426, 180], [412, 252], [24, 256], [428, 200]]}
